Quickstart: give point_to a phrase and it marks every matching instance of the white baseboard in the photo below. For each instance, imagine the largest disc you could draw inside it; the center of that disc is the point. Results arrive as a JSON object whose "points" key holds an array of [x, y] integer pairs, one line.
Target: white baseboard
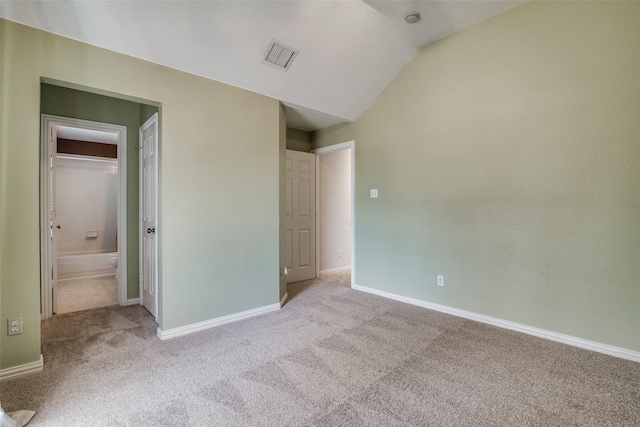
{"points": [[200, 326], [506, 324], [335, 270], [284, 299], [26, 369], [133, 301]]}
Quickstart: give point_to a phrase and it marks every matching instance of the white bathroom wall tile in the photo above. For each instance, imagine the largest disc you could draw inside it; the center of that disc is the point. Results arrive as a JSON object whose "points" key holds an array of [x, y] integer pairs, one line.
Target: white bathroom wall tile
{"points": [[91, 244], [101, 216], [84, 193], [64, 221], [74, 179], [66, 246], [111, 210], [87, 222], [84, 209], [63, 191], [62, 208], [99, 189], [65, 235], [97, 208], [86, 199]]}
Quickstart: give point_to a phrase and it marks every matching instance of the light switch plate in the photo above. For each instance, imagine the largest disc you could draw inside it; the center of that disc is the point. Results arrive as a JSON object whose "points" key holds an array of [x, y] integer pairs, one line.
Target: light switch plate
{"points": [[374, 193]]}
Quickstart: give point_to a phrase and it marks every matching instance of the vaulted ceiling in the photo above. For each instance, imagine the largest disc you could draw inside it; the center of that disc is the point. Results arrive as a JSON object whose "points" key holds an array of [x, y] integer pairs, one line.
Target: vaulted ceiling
{"points": [[349, 50]]}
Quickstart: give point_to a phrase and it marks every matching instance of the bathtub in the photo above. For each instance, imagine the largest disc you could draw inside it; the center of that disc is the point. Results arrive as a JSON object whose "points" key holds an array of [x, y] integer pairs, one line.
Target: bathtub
{"points": [[82, 265]]}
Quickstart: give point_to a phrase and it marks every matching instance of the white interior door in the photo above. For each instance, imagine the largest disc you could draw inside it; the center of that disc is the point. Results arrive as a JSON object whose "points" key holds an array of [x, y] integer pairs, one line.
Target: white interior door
{"points": [[300, 220], [149, 214]]}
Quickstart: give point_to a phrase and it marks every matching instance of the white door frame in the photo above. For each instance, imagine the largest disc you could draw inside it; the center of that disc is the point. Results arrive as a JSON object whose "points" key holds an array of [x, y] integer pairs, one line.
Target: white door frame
{"points": [[351, 146], [47, 124]]}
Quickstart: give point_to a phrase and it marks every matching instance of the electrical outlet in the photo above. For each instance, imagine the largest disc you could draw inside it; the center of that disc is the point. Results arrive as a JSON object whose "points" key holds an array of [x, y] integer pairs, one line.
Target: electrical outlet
{"points": [[339, 253], [374, 193], [14, 326], [440, 280]]}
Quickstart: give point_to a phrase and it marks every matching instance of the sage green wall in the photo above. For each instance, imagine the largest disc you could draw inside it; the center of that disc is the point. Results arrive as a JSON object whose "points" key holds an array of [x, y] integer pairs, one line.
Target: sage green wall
{"points": [[507, 159], [298, 140], [146, 111], [219, 183], [66, 102]]}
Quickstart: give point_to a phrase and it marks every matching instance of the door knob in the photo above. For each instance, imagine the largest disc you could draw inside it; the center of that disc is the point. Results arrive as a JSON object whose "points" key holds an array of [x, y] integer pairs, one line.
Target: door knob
{"points": [[58, 226], [151, 230]]}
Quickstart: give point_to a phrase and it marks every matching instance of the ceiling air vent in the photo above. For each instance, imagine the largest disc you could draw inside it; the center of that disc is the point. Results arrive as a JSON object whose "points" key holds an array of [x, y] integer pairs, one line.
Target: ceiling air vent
{"points": [[279, 55]]}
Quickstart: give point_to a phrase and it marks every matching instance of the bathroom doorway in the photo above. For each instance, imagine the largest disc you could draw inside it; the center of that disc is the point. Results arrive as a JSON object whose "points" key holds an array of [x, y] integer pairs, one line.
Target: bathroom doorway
{"points": [[83, 220], [335, 192]]}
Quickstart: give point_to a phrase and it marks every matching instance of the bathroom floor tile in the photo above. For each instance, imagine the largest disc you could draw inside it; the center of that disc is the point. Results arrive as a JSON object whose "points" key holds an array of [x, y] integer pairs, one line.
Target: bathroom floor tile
{"points": [[86, 293]]}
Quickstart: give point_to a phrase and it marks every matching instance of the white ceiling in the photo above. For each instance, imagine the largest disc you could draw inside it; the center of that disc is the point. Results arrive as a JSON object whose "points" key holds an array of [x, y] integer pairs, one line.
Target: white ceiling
{"points": [[349, 49]]}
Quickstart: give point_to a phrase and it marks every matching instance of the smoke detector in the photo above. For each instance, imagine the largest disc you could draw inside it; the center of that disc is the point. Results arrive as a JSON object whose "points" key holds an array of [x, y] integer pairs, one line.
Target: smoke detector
{"points": [[412, 17], [279, 55]]}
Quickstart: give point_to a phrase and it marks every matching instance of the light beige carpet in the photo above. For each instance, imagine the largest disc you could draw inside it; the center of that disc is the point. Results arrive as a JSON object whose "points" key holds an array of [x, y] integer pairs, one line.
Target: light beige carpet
{"points": [[331, 356]]}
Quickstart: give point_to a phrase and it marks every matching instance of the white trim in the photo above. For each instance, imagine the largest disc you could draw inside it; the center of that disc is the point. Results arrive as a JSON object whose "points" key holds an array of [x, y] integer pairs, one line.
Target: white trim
{"points": [[133, 301], [506, 324], [336, 270], [207, 324], [26, 369], [284, 299], [48, 122], [349, 145], [335, 147]]}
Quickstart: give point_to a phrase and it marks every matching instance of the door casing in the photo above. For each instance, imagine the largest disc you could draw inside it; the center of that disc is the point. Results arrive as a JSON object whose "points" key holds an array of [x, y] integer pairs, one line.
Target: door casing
{"points": [[47, 124]]}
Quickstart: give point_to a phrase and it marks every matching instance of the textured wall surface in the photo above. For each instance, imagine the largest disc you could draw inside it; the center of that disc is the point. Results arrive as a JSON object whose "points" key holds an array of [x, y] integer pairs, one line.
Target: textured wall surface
{"points": [[507, 160], [219, 187], [86, 198]]}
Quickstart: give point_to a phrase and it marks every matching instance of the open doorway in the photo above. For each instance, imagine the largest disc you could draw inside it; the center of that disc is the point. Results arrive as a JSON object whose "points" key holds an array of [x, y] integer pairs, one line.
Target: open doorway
{"points": [[64, 101], [83, 215], [335, 208]]}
